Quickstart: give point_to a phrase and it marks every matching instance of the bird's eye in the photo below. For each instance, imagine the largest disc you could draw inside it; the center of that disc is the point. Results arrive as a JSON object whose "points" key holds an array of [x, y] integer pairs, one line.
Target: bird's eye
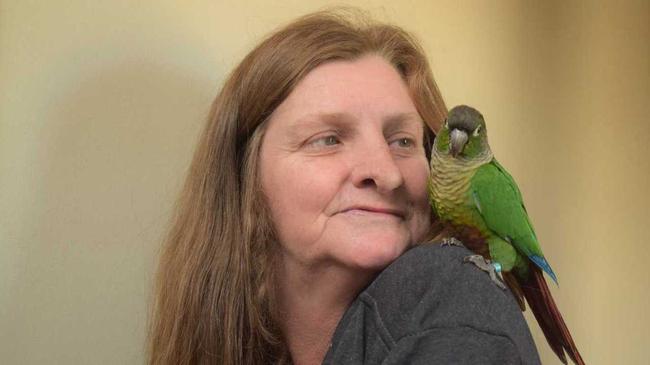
{"points": [[477, 131]]}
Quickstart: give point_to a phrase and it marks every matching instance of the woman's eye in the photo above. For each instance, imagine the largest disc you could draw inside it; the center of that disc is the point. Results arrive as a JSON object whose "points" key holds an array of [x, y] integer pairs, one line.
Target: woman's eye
{"points": [[330, 140], [404, 142]]}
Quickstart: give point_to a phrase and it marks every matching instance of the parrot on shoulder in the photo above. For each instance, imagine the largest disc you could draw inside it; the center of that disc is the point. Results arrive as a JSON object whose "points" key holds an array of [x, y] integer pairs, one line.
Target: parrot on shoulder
{"points": [[479, 203]]}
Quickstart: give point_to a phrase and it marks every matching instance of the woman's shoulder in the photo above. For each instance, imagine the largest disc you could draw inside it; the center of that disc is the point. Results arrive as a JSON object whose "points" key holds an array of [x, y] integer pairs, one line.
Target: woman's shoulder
{"points": [[425, 302], [433, 285]]}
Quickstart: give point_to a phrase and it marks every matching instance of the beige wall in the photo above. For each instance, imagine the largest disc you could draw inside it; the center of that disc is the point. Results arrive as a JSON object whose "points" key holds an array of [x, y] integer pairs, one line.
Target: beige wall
{"points": [[101, 102]]}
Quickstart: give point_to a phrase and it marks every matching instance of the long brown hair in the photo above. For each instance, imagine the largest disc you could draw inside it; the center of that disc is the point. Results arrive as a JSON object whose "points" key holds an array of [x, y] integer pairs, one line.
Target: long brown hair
{"points": [[213, 302]]}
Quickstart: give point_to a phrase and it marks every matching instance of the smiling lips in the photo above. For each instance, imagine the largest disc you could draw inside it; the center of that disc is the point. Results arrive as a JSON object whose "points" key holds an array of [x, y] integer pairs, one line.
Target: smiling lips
{"points": [[374, 210]]}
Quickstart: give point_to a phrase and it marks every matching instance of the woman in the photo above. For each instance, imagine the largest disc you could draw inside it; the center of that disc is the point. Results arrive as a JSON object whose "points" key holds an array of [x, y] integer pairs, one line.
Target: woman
{"points": [[309, 180]]}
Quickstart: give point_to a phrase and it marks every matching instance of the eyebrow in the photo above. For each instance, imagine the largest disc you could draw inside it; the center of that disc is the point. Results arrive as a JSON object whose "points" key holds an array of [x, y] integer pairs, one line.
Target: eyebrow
{"points": [[394, 121], [335, 119], [397, 121]]}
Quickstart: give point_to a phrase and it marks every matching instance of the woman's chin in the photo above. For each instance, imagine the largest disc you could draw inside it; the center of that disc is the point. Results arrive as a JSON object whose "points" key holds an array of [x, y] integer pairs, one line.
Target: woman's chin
{"points": [[375, 253]]}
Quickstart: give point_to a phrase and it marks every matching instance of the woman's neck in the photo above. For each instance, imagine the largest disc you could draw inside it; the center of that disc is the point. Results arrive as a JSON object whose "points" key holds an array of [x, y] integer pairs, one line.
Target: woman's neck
{"points": [[312, 301]]}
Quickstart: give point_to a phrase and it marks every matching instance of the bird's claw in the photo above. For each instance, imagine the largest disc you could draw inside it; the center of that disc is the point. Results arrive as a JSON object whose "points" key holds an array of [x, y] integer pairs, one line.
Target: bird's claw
{"points": [[451, 241], [487, 266]]}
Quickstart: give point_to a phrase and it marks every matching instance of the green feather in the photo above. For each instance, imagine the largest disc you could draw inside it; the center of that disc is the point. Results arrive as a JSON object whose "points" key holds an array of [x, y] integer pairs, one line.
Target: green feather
{"points": [[501, 206]]}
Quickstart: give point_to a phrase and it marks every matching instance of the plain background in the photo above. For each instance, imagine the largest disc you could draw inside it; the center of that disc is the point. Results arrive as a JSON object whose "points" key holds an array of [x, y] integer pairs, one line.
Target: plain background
{"points": [[101, 104]]}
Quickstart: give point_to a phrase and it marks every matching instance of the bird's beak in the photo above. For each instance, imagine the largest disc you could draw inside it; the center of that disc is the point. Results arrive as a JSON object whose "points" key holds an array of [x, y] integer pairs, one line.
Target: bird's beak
{"points": [[457, 141]]}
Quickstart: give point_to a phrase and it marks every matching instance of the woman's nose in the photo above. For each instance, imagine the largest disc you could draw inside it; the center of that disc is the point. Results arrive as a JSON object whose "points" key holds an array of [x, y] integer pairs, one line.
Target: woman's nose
{"points": [[375, 167]]}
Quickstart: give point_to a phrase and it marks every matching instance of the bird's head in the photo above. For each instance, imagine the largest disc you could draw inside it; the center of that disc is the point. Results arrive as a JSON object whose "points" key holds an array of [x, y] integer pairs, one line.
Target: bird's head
{"points": [[463, 135]]}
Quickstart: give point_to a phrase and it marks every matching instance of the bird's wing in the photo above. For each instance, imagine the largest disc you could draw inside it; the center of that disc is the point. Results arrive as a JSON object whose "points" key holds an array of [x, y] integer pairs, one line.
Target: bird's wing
{"points": [[499, 202]]}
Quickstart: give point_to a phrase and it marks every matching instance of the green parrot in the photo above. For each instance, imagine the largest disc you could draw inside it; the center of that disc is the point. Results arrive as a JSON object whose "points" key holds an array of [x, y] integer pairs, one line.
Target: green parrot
{"points": [[479, 203]]}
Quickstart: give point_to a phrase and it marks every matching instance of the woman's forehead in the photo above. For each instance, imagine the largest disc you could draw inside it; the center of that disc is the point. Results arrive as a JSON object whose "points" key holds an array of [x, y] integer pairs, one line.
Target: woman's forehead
{"points": [[345, 91]]}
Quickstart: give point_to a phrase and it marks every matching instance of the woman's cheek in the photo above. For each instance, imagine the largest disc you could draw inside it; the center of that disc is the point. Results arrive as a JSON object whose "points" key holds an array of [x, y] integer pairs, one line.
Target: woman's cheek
{"points": [[417, 187]]}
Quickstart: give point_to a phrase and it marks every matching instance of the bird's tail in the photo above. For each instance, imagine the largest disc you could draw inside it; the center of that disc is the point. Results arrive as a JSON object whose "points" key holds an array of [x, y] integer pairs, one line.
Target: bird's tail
{"points": [[548, 316]]}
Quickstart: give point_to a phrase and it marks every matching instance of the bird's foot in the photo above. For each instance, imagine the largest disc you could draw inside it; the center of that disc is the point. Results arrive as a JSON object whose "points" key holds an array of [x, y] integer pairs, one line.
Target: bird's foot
{"points": [[487, 266], [451, 241]]}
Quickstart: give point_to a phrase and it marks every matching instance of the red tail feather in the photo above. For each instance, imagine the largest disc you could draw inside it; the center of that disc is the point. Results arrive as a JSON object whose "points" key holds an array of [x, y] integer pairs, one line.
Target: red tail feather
{"points": [[548, 316]]}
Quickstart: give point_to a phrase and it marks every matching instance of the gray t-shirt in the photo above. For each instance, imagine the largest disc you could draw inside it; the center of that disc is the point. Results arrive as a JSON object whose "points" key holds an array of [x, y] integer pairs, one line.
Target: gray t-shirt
{"points": [[429, 307]]}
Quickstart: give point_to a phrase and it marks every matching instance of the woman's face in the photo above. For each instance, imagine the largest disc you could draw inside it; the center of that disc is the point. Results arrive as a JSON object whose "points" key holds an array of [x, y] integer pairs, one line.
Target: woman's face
{"points": [[343, 167]]}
